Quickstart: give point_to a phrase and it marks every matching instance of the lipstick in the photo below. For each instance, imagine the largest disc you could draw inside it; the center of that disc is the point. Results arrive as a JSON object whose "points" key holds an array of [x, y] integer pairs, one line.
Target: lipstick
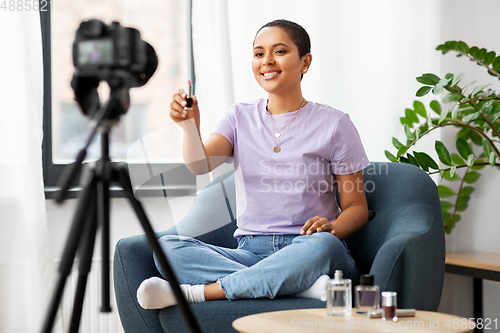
{"points": [[189, 98]]}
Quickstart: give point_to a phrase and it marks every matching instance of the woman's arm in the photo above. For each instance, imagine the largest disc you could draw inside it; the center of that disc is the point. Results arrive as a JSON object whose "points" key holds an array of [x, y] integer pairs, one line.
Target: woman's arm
{"points": [[354, 209], [199, 157]]}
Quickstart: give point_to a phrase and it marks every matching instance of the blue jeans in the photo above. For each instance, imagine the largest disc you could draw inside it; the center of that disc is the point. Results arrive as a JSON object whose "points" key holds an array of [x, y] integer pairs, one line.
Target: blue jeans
{"points": [[262, 265]]}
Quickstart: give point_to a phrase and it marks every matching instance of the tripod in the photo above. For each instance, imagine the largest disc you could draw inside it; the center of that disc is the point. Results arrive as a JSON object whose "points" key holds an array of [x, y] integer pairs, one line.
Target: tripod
{"points": [[92, 212]]}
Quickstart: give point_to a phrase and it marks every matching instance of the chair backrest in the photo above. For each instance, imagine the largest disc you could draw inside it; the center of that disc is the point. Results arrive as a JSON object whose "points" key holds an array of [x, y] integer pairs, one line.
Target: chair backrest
{"points": [[390, 189]]}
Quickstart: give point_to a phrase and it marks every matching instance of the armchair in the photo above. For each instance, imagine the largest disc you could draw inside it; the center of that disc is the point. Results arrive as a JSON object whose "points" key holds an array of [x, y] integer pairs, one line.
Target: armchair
{"points": [[402, 246]]}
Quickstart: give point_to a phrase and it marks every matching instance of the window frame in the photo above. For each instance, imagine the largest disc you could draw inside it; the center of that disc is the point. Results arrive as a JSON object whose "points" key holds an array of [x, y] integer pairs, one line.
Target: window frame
{"points": [[183, 183]]}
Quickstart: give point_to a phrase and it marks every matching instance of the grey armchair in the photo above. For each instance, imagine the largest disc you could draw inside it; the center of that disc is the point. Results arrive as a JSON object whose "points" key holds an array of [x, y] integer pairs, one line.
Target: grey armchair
{"points": [[402, 246]]}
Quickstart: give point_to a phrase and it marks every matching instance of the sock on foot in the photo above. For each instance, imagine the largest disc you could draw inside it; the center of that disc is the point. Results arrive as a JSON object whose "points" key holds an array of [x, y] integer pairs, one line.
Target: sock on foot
{"points": [[156, 293], [317, 290]]}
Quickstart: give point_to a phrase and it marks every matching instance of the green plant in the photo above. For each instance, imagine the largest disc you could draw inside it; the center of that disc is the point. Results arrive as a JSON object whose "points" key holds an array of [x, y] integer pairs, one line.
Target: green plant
{"points": [[475, 110]]}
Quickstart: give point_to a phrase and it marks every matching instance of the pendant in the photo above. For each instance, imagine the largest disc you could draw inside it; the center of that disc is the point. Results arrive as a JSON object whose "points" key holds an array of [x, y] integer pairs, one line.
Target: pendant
{"points": [[277, 135], [276, 149]]}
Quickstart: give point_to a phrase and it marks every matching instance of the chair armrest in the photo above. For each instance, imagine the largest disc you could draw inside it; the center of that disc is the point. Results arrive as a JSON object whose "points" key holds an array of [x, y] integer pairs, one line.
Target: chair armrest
{"points": [[411, 260]]}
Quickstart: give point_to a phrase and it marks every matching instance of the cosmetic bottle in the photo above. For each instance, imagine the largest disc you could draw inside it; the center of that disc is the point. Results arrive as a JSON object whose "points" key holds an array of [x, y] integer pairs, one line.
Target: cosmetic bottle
{"points": [[338, 292], [366, 295], [389, 305]]}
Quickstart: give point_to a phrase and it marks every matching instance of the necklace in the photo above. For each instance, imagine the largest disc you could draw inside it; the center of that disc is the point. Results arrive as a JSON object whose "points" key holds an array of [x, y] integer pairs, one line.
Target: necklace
{"points": [[278, 134]]}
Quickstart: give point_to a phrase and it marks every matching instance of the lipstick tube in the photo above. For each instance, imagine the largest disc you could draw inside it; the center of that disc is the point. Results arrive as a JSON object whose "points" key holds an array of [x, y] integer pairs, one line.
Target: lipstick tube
{"points": [[189, 98]]}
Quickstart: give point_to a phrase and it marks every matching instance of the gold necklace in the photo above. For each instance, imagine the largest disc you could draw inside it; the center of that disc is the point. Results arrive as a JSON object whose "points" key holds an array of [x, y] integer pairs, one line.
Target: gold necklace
{"points": [[277, 133]]}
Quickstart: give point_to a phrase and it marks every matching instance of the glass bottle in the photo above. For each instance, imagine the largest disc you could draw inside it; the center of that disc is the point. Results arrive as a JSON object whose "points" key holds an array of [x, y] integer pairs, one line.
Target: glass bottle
{"points": [[366, 294], [338, 291], [389, 305]]}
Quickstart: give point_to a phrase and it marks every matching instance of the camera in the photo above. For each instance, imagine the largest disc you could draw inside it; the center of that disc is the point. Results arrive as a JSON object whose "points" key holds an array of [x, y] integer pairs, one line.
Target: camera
{"points": [[107, 52], [110, 53]]}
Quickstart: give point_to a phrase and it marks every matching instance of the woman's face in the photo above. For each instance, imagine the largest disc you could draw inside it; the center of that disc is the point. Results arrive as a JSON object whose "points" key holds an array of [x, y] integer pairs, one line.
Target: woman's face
{"points": [[276, 63]]}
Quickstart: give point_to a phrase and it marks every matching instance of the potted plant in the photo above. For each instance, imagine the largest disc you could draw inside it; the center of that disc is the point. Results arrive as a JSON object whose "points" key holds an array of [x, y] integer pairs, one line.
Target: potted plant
{"points": [[474, 109]]}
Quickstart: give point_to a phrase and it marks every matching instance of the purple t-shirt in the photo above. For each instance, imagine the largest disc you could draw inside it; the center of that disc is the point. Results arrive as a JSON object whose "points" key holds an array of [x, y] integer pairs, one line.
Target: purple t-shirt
{"points": [[276, 193]]}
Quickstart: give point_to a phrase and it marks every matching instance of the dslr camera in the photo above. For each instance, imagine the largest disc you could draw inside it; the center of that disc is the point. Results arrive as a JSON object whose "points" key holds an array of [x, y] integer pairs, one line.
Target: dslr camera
{"points": [[108, 52]]}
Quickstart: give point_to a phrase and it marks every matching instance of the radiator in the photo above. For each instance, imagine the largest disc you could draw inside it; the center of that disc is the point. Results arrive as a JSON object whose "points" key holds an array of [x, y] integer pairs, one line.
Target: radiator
{"points": [[93, 321]]}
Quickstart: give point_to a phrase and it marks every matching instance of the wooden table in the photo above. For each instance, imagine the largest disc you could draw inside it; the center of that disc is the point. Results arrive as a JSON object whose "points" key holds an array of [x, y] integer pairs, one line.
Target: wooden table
{"points": [[479, 266], [316, 320]]}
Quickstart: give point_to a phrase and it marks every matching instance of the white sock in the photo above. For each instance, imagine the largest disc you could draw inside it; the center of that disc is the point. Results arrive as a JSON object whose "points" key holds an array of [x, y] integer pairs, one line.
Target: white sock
{"points": [[156, 293], [317, 290]]}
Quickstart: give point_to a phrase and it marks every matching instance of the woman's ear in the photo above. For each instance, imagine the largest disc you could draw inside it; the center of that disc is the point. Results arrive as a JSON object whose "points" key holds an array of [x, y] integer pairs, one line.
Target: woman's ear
{"points": [[306, 62]]}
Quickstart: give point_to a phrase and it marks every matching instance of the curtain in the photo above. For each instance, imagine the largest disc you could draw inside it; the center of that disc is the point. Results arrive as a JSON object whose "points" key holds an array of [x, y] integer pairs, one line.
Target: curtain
{"points": [[26, 270]]}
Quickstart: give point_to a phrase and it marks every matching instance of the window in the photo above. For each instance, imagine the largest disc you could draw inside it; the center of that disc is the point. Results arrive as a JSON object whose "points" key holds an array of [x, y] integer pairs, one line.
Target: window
{"points": [[163, 24]]}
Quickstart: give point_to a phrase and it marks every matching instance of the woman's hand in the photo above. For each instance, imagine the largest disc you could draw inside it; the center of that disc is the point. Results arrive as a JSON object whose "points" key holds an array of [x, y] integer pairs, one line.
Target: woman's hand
{"points": [[317, 224], [177, 112]]}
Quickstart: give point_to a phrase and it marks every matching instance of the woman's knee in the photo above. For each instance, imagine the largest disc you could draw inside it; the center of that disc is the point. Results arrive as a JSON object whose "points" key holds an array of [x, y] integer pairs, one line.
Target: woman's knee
{"points": [[174, 242], [323, 242]]}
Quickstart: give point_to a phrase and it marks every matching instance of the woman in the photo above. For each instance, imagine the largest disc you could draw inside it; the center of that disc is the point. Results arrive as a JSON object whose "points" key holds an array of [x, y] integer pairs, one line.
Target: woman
{"points": [[290, 155]]}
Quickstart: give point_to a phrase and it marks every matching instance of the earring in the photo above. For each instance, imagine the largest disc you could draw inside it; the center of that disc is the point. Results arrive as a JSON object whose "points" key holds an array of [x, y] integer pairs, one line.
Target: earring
{"points": [[304, 70]]}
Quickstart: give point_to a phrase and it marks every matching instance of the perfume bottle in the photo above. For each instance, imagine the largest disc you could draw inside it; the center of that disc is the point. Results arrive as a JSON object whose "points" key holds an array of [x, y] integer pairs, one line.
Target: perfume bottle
{"points": [[338, 293], [366, 294], [389, 305]]}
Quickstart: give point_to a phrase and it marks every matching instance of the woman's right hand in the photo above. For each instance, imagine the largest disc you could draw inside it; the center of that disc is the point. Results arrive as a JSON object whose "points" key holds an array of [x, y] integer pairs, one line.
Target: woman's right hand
{"points": [[177, 112]]}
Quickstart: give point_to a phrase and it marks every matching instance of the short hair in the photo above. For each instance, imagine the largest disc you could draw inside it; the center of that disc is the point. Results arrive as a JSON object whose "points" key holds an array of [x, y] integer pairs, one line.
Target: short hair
{"points": [[297, 33]]}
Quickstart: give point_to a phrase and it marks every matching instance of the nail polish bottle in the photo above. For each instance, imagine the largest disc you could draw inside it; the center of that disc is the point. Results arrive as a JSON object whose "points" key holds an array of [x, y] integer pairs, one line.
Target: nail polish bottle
{"points": [[366, 294], [338, 292], [389, 305]]}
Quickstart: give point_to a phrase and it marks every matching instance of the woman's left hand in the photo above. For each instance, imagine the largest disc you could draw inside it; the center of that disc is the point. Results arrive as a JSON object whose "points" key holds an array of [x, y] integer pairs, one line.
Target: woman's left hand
{"points": [[317, 224]]}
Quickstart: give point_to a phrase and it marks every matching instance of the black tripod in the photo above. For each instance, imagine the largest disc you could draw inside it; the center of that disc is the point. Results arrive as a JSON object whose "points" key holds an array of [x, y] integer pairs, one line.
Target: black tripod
{"points": [[92, 212]]}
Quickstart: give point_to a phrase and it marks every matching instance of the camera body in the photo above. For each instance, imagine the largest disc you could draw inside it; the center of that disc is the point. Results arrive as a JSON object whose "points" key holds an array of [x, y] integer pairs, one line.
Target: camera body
{"points": [[106, 52]]}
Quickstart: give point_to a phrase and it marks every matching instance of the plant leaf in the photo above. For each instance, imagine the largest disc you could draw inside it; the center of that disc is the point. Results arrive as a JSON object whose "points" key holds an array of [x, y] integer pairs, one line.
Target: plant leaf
{"points": [[429, 161], [445, 192], [453, 170], [496, 64], [457, 159], [451, 97], [396, 143], [420, 109], [479, 88], [445, 205], [435, 106], [457, 79], [428, 78], [470, 161], [492, 159], [390, 157], [487, 147], [443, 153], [463, 147], [466, 190], [423, 91], [470, 117], [411, 115], [408, 132], [442, 117], [447, 175], [412, 160], [454, 112], [471, 177], [489, 57]]}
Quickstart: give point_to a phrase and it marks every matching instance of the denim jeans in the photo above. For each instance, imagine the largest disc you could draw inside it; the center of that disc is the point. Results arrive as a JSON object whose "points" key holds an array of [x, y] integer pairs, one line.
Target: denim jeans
{"points": [[262, 265]]}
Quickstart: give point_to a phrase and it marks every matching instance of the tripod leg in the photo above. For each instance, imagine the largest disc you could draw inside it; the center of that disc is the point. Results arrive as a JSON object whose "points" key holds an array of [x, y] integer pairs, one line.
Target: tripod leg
{"points": [[71, 246], [186, 312], [104, 170], [86, 251]]}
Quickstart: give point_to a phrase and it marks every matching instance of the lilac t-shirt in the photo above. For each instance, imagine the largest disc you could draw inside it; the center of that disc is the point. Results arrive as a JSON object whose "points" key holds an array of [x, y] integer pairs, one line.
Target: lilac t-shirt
{"points": [[276, 193]]}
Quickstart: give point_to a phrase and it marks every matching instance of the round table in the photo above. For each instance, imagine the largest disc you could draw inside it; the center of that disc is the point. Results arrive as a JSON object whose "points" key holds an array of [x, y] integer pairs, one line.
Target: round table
{"points": [[316, 320]]}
